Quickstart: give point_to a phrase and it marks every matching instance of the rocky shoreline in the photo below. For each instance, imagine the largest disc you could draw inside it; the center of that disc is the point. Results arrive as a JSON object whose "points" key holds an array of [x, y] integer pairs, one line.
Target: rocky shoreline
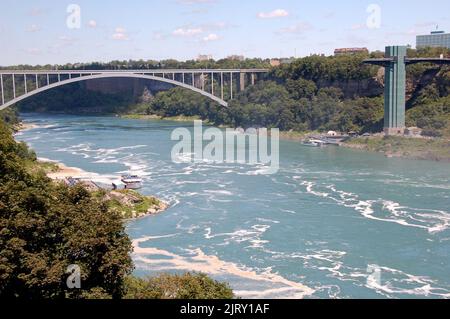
{"points": [[130, 200], [437, 150], [129, 203]]}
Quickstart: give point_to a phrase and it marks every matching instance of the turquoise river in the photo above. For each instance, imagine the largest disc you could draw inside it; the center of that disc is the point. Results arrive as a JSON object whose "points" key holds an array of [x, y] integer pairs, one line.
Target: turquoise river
{"points": [[332, 223]]}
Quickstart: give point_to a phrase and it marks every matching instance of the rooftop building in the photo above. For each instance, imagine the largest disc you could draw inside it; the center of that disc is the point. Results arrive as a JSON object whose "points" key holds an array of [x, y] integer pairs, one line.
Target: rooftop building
{"points": [[349, 51], [204, 57], [236, 57], [275, 62], [436, 39]]}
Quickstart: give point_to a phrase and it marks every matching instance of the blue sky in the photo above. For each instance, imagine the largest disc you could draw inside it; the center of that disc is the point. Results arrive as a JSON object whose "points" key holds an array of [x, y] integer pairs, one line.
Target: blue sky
{"points": [[36, 32]]}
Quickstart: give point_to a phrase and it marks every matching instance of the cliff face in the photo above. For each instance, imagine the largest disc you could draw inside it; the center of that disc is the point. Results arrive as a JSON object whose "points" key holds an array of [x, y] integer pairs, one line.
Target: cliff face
{"points": [[374, 87], [364, 88], [133, 87]]}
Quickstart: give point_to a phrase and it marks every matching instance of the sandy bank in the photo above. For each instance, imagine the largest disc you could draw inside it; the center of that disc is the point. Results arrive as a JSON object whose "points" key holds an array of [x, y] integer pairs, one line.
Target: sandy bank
{"points": [[25, 126], [65, 172]]}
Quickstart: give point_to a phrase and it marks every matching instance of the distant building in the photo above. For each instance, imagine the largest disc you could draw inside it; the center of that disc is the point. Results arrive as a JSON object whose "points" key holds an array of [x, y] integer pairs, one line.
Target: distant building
{"points": [[287, 60], [350, 51], [332, 133], [236, 57], [275, 62], [278, 62], [204, 57], [437, 39]]}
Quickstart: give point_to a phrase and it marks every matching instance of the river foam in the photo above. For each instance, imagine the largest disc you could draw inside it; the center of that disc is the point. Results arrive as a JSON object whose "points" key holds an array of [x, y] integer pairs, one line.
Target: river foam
{"points": [[272, 284], [433, 221]]}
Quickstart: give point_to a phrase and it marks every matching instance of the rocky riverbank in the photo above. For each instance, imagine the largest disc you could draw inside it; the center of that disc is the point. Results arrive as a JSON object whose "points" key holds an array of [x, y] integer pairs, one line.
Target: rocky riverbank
{"points": [[179, 118], [431, 149], [132, 204], [129, 203]]}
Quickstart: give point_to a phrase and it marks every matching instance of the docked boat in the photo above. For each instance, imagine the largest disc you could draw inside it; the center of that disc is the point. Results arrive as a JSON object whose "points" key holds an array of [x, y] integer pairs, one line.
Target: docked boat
{"points": [[131, 181], [313, 143]]}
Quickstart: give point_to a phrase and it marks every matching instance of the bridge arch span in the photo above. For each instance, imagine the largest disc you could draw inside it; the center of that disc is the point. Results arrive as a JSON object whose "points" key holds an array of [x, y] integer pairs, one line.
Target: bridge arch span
{"points": [[112, 75]]}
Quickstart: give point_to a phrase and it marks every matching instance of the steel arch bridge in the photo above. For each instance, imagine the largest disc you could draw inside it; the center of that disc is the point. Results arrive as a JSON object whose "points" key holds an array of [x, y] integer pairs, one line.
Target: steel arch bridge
{"points": [[197, 80]]}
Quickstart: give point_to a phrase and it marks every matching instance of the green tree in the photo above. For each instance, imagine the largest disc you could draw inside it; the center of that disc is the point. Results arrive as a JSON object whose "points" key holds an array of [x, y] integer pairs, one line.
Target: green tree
{"points": [[185, 286], [45, 227], [301, 88]]}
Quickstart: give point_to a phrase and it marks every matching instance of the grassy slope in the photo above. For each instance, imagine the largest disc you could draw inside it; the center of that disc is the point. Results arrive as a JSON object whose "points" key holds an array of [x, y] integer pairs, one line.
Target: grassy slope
{"points": [[414, 148], [140, 205]]}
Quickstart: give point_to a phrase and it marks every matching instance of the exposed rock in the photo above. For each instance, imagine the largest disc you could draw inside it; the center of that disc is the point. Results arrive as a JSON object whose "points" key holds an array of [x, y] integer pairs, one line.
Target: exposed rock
{"points": [[364, 88], [146, 96], [127, 199], [130, 199], [125, 85]]}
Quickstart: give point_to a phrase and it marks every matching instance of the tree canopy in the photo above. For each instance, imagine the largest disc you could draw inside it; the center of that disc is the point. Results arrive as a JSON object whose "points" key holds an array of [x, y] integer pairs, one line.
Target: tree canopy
{"points": [[46, 227]]}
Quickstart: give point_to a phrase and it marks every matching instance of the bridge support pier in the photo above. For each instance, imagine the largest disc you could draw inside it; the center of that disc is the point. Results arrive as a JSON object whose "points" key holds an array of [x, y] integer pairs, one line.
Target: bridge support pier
{"points": [[231, 85], [3, 93], [242, 81], [395, 62], [221, 85], [14, 85]]}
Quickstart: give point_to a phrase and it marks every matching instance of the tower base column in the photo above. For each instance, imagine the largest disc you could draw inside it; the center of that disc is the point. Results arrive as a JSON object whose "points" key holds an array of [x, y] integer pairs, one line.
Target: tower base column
{"points": [[394, 130]]}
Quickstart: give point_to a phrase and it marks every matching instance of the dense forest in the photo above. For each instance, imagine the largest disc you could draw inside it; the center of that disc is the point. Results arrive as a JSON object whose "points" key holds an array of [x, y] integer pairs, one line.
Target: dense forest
{"points": [[47, 226]]}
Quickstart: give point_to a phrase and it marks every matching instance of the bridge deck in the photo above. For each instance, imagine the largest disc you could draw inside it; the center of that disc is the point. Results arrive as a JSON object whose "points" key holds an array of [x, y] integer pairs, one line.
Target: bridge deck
{"points": [[139, 71], [427, 60], [387, 61]]}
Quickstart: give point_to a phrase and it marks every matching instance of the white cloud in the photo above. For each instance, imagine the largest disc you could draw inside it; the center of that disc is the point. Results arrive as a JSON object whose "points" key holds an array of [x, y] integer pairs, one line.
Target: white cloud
{"points": [[211, 37], [33, 28], [207, 32], [187, 32], [92, 24], [278, 13], [120, 34]]}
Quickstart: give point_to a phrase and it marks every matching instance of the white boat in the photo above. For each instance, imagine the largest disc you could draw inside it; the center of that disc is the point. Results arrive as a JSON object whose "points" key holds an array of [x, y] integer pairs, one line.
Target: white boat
{"points": [[313, 143], [132, 181]]}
